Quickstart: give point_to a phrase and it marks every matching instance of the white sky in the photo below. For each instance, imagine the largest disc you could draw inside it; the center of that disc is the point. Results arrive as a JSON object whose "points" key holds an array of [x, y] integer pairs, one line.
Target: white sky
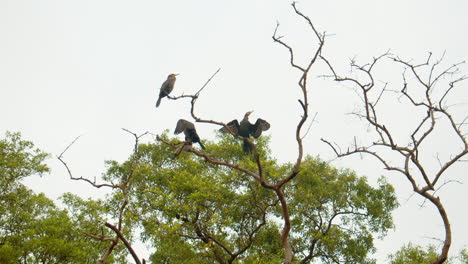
{"points": [[90, 68]]}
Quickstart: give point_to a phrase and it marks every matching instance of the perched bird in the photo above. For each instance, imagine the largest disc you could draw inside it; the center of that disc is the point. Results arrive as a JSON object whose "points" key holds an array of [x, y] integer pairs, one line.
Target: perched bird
{"points": [[245, 129], [190, 133], [166, 87]]}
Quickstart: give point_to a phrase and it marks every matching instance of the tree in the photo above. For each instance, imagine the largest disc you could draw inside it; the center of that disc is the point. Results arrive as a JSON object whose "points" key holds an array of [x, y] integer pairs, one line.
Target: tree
{"points": [[189, 201], [89, 218], [464, 256], [415, 254], [196, 212], [411, 254], [258, 172], [426, 88], [338, 212], [277, 186], [110, 209], [32, 228], [18, 159]]}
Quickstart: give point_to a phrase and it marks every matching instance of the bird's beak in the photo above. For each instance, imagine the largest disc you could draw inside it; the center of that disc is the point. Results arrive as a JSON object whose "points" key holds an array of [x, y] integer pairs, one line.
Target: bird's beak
{"points": [[177, 74], [250, 112]]}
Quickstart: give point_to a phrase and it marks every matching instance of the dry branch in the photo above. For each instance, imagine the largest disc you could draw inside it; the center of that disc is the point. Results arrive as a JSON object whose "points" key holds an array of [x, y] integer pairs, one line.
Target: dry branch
{"points": [[412, 167], [121, 186], [278, 186]]}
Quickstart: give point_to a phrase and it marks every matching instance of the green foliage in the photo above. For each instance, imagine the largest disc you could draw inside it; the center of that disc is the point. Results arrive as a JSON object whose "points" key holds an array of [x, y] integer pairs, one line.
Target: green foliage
{"points": [[206, 212], [32, 228], [413, 254], [89, 216], [338, 212], [191, 211], [464, 256], [38, 232], [194, 212], [18, 159], [416, 254]]}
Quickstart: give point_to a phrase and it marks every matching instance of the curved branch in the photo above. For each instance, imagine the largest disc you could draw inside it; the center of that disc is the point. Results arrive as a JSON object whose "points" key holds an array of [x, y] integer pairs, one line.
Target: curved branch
{"points": [[423, 129], [201, 120], [93, 183], [126, 243], [215, 161], [122, 186]]}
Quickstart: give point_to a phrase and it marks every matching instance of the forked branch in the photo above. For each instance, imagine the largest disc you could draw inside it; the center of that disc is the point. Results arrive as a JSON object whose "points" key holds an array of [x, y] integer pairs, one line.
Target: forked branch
{"points": [[411, 165], [304, 103], [123, 187]]}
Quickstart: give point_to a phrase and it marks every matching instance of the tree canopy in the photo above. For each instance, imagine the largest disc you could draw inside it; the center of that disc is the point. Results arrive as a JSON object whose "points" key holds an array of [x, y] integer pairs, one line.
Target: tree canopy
{"points": [[32, 228], [196, 212], [225, 205]]}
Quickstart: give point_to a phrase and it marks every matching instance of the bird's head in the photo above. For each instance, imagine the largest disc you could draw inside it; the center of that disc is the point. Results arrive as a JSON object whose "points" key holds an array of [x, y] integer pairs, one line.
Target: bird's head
{"points": [[172, 76], [248, 113]]}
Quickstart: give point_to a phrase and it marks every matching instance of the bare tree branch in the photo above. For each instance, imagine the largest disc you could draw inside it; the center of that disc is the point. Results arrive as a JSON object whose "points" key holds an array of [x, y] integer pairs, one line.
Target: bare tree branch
{"points": [[123, 187], [93, 183], [278, 186], [419, 135]]}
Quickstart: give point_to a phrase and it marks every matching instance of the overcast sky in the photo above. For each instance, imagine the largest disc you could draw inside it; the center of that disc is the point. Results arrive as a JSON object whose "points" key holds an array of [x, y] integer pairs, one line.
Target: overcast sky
{"points": [[90, 68]]}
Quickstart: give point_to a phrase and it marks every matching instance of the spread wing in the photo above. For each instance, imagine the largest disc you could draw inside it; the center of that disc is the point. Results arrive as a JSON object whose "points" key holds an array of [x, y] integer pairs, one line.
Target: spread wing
{"points": [[259, 126], [233, 125], [182, 125]]}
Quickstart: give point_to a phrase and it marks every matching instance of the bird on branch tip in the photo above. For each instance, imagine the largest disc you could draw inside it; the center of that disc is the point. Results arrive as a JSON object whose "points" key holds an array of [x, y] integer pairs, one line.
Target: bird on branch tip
{"points": [[190, 133], [245, 129], [166, 87]]}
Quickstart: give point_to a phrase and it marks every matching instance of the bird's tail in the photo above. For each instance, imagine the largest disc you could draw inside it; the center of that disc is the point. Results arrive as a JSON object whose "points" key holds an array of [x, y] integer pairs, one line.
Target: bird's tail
{"points": [[247, 146], [158, 102], [201, 145]]}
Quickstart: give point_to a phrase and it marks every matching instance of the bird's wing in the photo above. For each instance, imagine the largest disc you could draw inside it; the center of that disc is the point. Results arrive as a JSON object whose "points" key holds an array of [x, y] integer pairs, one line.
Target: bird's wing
{"points": [[233, 125], [164, 85], [167, 87], [259, 126], [191, 135], [183, 124], [163, 91]]}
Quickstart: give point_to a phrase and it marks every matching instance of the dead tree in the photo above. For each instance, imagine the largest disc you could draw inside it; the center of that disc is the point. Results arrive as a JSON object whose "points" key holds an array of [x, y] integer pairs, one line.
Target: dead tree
{"points": [[276, 186], [426, 88]]}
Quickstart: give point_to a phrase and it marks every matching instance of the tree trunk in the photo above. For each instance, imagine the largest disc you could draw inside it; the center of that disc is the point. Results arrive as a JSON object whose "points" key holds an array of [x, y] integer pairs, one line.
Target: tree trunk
{"points": [[288, 255], [448, 232]]}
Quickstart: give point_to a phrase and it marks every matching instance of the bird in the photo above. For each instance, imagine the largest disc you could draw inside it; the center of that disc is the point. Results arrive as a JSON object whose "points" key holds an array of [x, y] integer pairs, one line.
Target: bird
{"points": [[166, 87], [245, 129], [190, 133]]}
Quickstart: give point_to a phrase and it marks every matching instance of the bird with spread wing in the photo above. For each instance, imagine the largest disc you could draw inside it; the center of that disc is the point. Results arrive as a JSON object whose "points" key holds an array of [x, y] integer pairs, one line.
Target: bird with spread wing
{"points": [[246, 129]]}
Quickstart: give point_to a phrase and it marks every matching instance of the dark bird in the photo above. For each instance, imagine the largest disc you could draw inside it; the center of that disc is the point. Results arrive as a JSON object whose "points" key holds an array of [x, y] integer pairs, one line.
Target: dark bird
{"points": [[245, 129], [166, 87], [190, 133]]}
